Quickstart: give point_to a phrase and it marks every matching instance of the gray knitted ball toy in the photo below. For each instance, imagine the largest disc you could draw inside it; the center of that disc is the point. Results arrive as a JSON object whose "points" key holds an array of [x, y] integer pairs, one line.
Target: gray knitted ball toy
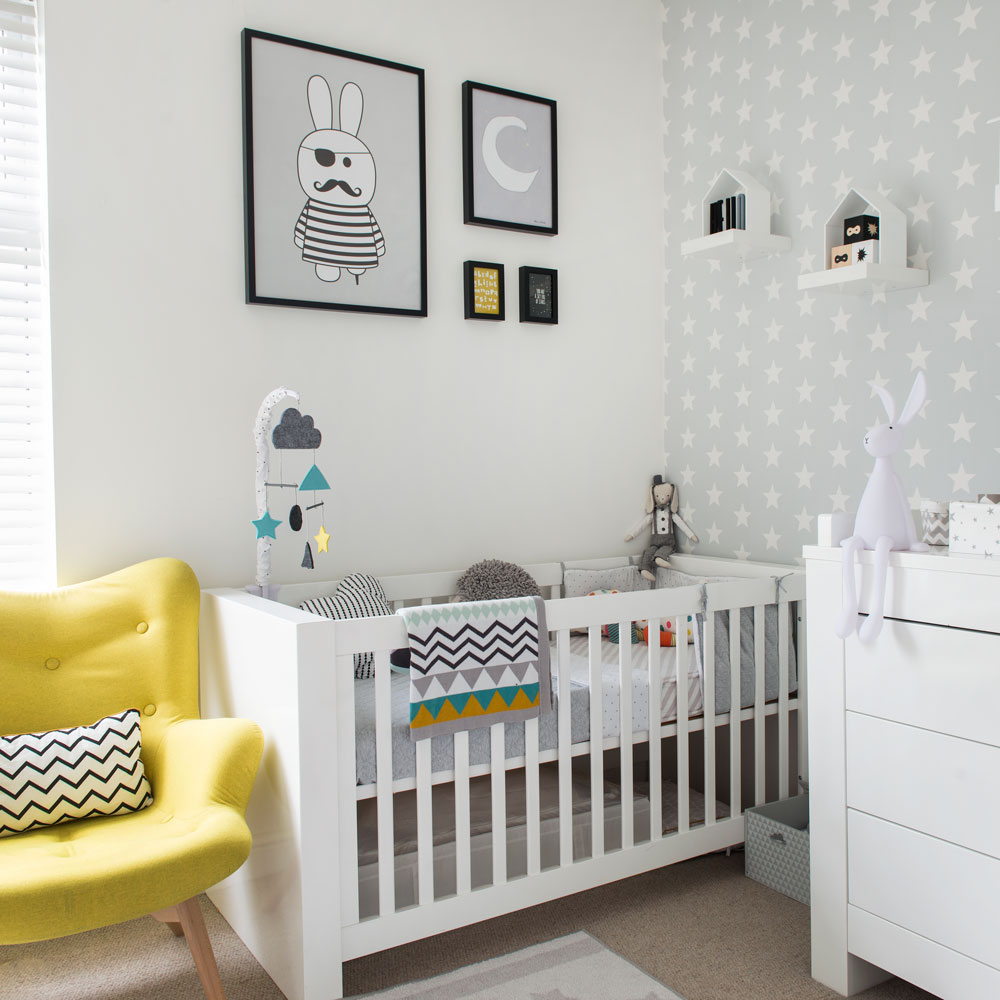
{"points": [[493, 580]]}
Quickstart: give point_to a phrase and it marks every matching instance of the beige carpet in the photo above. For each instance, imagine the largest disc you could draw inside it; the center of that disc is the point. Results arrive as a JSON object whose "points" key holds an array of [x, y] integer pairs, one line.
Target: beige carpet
{"points": [[701, 927]]}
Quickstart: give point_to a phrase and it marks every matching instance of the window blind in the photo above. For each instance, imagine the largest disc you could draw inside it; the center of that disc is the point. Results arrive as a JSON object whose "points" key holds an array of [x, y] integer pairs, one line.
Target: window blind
{"points": [[27, 546]]}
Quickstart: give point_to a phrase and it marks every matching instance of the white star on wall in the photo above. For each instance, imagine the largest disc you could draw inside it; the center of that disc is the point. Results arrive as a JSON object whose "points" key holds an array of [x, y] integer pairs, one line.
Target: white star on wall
{"points": [[922, 112], [917, 454], [967, 19], [961, 479], [922, 15], [962, 429], [963, 327]]}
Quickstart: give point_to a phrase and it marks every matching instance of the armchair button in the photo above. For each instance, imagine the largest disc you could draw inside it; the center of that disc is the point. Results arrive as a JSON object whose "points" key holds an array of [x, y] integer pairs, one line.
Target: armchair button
{"points": [[52, 663], [141, 627], [149, 710]]}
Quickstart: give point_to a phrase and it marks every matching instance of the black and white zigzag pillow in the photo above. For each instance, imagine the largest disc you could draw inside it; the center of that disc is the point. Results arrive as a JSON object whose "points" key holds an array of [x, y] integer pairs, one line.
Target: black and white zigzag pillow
{"points": [[49, 778], [357, 596]]}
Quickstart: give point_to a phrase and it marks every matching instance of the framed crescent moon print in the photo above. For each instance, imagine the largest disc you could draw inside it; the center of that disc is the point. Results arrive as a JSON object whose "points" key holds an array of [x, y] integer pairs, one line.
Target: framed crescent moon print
{"points": [[509, 152]]}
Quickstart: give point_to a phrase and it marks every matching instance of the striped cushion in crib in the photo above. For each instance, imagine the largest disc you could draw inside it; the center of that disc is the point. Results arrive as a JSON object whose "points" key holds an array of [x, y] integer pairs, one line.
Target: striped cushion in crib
{"points": [[49, 778], [357, 596]]}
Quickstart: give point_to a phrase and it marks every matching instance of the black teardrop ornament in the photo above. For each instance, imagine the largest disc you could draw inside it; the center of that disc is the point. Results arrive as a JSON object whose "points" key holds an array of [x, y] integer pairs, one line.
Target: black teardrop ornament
{"points": [[307, 558], [295, 518]]}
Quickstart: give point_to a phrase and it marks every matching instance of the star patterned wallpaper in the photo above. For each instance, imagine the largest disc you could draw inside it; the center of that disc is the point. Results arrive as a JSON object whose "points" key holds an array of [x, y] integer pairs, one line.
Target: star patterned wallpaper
{"points": [[768, 389]]}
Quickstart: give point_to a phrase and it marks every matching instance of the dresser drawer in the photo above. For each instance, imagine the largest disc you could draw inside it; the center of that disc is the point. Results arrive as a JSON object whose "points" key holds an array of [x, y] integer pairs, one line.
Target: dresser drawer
{"points": [[931, 676], [930, 887], [940, 970], [935, 784]]}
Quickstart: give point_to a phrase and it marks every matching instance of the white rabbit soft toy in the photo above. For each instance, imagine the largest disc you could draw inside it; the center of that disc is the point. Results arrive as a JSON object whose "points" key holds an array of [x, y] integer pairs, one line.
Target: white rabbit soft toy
{"points": [[337, 172], [884, 520]]}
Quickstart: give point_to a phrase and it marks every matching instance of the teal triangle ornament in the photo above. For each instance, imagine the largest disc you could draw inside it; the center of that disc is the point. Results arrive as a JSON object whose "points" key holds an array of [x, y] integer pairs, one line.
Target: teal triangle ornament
{"points": [[265, 525], [307, 558], [315, 480]]}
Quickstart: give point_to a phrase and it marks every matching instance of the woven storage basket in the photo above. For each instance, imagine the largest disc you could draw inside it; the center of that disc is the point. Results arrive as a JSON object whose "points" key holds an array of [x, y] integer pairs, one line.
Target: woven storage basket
{"points": [[777, 846]]}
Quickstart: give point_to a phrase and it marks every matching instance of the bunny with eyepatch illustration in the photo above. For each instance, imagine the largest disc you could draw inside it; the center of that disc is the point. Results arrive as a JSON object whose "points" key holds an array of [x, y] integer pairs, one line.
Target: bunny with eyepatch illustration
{"points": [[336, 228], [884, 520]]}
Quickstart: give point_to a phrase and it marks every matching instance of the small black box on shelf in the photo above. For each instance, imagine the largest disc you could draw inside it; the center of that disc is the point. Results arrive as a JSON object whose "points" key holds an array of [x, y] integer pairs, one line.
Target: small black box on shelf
{"points": [[860, 227], [715, 217]]}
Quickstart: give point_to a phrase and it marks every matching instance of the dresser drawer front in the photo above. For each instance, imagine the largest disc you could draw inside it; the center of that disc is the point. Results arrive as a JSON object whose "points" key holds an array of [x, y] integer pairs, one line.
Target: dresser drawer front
{"points": [[938, 678], [931, 966], [935, 784], [942, 892]]}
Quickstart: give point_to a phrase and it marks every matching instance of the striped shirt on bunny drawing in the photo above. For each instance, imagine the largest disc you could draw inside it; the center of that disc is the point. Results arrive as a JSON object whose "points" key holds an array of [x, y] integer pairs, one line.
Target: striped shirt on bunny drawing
{"points": [[339, 235]]}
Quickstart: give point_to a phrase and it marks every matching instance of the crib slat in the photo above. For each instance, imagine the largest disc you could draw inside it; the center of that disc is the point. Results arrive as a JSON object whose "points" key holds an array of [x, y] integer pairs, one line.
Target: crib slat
{"points": [[425, 826], [565, 752], [349, 900], [498, 783], [735, 708], [655, 742], [625, 712], [383, 791], [683, 756], [783, 611], [758, 704], [708, 714], [531, 792], [596, 743], [463, 841]]}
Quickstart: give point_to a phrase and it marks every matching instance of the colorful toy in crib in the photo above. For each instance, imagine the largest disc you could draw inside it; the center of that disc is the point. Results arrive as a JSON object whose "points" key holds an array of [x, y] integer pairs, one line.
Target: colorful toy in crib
{"points": [[661, 515], [640, 629]]}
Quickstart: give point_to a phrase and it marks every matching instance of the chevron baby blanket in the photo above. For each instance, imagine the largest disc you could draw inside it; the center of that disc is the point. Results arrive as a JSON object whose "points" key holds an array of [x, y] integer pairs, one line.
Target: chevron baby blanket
{"points": [[475, 663]]}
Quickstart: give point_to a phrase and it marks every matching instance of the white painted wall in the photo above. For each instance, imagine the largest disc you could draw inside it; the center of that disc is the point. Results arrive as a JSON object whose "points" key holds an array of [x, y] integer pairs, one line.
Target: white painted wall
{"points": [[548, 436]]}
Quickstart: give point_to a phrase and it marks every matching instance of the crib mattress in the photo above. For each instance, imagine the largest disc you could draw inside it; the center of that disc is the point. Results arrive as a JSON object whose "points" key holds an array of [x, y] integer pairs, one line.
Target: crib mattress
{"points": [[443, 749]]}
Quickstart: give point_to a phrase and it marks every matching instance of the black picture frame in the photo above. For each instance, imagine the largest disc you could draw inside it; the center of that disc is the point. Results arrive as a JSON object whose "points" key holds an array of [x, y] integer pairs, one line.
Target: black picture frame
{"points": [[472, 269], [373, 235], [538, 294], [494, 188]]}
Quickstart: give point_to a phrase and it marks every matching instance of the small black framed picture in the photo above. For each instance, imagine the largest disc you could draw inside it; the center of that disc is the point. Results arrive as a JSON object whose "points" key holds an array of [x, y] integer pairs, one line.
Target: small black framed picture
{"points": [[509, 159], [484, 290], [539, 295]]}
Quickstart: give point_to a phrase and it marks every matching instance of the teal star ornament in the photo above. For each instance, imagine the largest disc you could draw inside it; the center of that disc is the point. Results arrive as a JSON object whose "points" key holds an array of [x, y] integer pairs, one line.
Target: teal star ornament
{"points": [[265, 525]]}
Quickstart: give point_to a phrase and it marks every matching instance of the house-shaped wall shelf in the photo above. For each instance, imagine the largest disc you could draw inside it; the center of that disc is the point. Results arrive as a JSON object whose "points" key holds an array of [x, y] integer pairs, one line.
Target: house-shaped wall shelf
{"points": [[753, 241], [890, 271]]}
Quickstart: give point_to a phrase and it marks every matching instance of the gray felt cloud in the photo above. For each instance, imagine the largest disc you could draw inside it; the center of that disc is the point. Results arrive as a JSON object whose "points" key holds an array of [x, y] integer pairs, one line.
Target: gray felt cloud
{"points": [[296, 431]]}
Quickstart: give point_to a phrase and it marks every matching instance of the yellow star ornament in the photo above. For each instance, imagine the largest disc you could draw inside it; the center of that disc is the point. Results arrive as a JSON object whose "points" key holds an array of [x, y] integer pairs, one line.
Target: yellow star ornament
{"points": [[322, 540]]}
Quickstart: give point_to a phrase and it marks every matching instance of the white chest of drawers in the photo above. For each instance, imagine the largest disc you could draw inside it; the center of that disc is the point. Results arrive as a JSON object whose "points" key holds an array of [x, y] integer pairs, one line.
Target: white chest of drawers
{"points": [[904, 750]]}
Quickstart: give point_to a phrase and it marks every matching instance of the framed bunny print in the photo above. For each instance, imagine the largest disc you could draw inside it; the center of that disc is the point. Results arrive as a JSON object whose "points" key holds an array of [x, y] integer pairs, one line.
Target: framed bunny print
{"points": [[509, 159], [334, 178]]}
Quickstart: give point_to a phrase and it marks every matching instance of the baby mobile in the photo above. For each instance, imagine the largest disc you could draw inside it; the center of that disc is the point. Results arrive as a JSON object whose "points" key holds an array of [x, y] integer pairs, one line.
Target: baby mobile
{"points": [[293, 432]]}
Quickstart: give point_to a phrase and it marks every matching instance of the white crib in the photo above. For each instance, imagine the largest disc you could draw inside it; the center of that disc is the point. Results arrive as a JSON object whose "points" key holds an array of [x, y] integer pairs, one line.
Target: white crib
{"points": [[341, 869]]}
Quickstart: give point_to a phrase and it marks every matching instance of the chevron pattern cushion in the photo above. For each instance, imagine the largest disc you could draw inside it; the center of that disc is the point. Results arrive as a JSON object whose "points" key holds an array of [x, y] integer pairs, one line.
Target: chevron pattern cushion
{"points": [[358, 595], [49, 778]]}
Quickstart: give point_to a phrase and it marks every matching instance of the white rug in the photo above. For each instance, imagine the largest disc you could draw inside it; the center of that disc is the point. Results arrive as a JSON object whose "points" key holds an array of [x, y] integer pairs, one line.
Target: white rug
{"points": [[575, 967]]}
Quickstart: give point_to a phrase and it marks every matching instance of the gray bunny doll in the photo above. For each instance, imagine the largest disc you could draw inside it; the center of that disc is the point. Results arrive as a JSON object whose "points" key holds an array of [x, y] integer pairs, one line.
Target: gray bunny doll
{"points": [[662, 504]]}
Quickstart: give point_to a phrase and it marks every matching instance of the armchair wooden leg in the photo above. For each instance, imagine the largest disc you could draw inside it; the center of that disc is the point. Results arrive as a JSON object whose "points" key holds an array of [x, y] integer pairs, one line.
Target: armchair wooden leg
{"points": [[185, 918]]}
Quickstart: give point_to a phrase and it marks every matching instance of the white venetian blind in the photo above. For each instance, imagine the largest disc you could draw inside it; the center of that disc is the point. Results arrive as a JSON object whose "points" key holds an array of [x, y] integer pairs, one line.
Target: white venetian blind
{"points": [[27, 549]]}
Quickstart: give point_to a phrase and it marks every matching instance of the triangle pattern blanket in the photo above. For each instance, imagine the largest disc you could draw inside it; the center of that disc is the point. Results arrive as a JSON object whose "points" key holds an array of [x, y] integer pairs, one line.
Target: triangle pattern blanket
{"points": [[476, 663]]}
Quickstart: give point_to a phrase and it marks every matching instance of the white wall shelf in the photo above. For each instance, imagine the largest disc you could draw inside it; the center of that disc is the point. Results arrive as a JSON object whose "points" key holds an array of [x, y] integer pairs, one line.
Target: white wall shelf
{"points": [[755, 240], [890, 272]]}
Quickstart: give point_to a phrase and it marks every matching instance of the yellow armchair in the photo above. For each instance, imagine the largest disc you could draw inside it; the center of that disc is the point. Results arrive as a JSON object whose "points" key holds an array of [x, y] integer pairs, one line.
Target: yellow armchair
{"points": [[72, 656]]}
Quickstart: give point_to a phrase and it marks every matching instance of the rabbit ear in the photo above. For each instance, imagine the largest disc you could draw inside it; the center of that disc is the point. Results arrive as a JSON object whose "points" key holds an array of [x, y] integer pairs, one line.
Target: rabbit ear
{"points": [[351, 105], [320, 103], [915, 400], [887, 401]]}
